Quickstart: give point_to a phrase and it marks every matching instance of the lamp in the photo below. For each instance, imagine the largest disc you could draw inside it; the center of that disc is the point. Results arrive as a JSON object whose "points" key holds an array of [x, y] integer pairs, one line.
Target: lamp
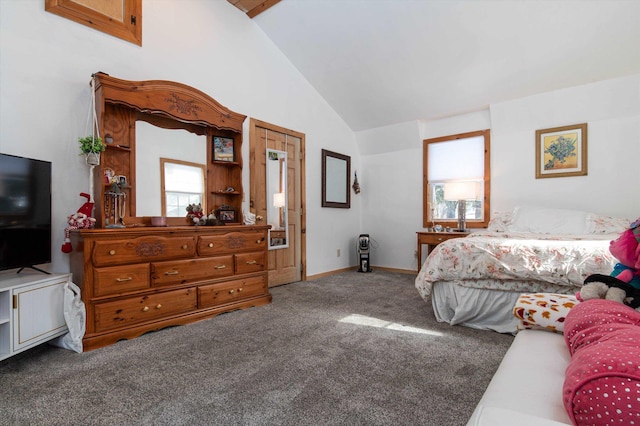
{"points": [[461, 192], [278, 200], [279, 203]]}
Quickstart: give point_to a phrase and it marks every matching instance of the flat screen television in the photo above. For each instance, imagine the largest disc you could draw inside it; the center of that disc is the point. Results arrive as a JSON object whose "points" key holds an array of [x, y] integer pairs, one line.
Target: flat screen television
{"points": [[25, 212]]}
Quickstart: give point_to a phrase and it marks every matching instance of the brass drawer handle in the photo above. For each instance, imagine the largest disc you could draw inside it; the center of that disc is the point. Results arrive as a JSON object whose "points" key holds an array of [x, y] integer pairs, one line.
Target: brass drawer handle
{"points": [[258, 241], [121, 280], [145, 309], [251, 262], [172, 272], [112, 252], [231, 291], [221, 266], [240, 290], [184, 247], [158, 306], [210, 244]]}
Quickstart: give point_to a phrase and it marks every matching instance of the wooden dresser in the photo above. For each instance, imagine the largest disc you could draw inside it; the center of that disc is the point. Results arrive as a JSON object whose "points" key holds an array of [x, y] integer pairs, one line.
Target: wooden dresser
{"points": [[135, 280]]}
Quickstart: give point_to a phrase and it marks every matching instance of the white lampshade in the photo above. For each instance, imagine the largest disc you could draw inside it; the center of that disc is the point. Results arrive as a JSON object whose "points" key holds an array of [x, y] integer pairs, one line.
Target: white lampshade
{"points": [[454, 191], [278, 199]]}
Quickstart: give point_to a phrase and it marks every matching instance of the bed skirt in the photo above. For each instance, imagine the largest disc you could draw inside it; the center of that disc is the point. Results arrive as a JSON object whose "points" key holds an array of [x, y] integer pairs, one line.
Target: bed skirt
{"points": [[483, 309]]}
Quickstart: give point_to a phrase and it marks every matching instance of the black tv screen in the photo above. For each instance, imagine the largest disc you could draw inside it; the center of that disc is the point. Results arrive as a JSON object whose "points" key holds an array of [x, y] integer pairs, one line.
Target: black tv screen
{"points": [[25, 212]]}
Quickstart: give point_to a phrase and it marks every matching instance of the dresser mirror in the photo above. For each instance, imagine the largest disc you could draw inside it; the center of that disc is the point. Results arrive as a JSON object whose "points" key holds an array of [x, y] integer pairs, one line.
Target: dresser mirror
{"points": [[178, 145], [277, 202], [146, 121]]}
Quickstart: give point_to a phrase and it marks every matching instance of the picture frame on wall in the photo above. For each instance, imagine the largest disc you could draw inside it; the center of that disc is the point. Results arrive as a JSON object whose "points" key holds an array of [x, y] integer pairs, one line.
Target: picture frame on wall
{"points": [[561, 151], [223, 149]]}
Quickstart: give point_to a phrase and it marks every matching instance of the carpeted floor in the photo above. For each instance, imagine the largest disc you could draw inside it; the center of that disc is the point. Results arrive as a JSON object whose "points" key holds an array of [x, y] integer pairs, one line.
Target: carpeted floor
{"points": [[349, 349]]}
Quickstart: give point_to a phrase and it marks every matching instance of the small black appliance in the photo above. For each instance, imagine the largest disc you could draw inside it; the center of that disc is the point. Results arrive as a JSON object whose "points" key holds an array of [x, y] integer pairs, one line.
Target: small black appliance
{"points": [[364, 253]]}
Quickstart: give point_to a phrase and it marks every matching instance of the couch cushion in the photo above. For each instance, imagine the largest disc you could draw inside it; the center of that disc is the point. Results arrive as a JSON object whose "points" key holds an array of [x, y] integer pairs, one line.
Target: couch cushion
{"points": [[529, 379], [602, 381]]}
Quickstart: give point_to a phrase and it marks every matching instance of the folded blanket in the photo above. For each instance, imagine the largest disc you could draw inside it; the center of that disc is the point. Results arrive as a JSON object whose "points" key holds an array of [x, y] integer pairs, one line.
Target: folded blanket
{"points": [[543, 311]]}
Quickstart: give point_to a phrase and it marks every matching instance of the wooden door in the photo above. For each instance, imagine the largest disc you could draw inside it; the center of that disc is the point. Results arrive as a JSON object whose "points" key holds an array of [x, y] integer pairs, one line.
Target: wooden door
{"points": [[285, 265]]}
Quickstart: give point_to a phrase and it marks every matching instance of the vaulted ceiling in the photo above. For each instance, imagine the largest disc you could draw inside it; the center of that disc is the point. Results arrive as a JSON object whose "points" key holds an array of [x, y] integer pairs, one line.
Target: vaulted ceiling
{"points": [[382, 62]]}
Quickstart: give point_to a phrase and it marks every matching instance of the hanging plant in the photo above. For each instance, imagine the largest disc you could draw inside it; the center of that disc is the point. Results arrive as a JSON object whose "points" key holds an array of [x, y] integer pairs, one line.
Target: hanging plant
{"points": [[91, 147]]}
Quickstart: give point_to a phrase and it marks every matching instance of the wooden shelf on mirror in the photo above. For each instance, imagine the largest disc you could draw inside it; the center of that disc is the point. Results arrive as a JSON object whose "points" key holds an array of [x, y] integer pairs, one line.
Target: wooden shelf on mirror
{"points": [[225, 163], [221, 192], [118, 147]]}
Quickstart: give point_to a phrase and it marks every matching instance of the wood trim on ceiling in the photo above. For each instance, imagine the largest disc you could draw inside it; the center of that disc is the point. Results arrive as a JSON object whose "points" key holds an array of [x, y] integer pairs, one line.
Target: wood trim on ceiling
{"points": [[253, 7]]}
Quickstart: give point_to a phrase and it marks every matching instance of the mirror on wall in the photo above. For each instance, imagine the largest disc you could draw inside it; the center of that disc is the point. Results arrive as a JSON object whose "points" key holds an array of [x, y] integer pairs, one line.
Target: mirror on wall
{"points": [[277, 202], [153, 144], [336, 169]]}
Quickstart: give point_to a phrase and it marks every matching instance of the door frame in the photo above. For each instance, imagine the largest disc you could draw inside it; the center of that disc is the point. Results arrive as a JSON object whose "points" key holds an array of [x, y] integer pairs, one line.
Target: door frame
{"points": [[254, 124]]}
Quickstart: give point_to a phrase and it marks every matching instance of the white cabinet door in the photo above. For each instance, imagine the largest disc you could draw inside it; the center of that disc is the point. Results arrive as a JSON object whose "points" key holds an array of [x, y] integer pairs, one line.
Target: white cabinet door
{"points": [[38, 313]]}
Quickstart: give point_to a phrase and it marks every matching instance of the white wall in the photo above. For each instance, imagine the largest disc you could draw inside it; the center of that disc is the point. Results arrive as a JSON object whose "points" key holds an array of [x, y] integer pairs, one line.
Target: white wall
{"points": [[46, 62], [612, 110], [392, 178]]}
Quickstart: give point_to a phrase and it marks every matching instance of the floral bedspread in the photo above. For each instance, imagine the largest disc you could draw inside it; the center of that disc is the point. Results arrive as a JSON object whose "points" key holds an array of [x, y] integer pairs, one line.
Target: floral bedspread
{"points": [[517, 261]]}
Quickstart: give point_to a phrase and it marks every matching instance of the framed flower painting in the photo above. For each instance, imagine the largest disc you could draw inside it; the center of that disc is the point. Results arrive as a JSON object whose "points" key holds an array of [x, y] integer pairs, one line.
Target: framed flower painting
{"points": [[561, 151]]}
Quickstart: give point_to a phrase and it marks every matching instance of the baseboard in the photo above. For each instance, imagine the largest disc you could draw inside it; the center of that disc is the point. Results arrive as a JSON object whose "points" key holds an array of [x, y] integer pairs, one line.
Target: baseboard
{"points": [[329, 273], [400, 271], [355, 268]]}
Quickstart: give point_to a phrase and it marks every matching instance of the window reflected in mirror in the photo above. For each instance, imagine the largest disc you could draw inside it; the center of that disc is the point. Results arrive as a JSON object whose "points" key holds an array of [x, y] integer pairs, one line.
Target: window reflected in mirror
{"points": [[182, 184], [153, 144]]}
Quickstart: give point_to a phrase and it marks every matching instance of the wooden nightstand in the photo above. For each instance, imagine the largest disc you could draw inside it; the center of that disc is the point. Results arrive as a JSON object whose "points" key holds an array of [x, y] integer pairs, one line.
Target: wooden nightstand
{"points": [[432, 239]]}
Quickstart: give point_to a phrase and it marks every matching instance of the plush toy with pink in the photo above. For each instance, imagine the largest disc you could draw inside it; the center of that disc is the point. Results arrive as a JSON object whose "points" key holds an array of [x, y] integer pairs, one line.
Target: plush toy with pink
{"points": [[79, 220], [623, 284]]}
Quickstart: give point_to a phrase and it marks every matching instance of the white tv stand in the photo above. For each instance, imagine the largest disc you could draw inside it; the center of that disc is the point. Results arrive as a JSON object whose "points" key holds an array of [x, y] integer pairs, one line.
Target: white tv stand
{"points": [[31, 310]]}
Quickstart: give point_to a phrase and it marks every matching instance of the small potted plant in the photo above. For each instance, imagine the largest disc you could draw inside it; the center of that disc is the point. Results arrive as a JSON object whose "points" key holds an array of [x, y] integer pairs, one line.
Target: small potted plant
{"points": [[91, 147]]}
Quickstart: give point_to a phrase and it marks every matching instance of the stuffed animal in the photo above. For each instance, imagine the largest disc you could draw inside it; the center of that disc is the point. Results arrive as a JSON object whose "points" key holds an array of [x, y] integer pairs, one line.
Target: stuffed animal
{"points": [[80, 220], [623, 284], [76, 221], [195, 214]]}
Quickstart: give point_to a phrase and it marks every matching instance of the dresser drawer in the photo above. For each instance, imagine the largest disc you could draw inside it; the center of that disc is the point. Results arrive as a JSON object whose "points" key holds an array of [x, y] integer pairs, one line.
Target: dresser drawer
{"points": [[182, 271], [250, 262], [226, 242], [120, 279], [134, 310], [142, 249], [217, 294]]}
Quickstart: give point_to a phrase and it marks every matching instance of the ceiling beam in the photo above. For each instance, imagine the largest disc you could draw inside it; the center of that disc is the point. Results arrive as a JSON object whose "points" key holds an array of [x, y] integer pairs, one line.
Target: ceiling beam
{"points": [[253, 7]]}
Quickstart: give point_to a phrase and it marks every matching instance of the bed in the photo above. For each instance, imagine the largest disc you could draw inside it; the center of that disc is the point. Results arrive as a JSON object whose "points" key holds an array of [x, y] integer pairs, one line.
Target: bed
{"points": [[475, 281]]}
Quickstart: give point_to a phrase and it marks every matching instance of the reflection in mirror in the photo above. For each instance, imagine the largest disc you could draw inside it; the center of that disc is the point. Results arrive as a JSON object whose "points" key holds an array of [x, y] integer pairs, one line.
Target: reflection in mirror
{"points": [[336, 169], [277, 202], [182, 183], [153, 143]]}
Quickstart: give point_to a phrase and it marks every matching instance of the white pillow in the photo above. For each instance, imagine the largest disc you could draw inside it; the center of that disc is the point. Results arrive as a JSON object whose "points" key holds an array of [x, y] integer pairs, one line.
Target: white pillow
{"points": [[551, 221]]}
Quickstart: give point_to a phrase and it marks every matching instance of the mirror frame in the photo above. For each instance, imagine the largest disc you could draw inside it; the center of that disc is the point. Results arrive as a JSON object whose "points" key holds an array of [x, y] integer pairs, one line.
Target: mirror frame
{"points": [[169, 105], [328, 185]]}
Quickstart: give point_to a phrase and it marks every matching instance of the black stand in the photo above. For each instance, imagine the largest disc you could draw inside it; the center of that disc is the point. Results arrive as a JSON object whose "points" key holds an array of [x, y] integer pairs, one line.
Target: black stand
{"points": [[33, 267]]}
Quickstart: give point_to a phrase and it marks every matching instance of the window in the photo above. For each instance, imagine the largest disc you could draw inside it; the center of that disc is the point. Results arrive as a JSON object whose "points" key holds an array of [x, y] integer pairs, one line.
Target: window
{"points": [[182, 184], [120, 18], [451, 161]]}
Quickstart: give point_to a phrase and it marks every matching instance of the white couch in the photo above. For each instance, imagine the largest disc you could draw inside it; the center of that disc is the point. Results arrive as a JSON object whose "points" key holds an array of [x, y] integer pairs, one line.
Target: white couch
{"points": [[527, 387]]}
